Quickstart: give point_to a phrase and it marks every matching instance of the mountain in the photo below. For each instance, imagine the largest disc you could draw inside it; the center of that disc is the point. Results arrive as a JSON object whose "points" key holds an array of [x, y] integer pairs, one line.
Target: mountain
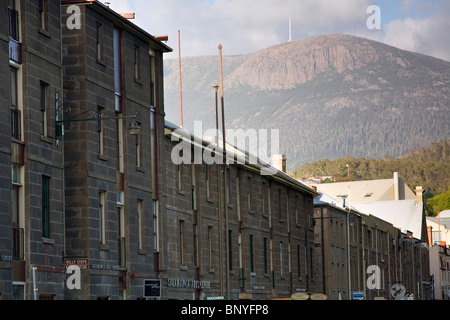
{"points": [[330, 96]]}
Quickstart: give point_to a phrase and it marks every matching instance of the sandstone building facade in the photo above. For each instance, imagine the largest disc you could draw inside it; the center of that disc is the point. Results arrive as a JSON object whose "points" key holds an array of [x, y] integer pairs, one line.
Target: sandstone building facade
{"points": [[88, 179]]}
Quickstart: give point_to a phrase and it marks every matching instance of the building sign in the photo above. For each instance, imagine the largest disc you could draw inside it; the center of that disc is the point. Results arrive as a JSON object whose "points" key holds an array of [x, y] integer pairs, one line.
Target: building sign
{"points": [[104, 267], [215, 298], [81, 263], [152, 288], [358, 295], [6, 258], [186, 283]]}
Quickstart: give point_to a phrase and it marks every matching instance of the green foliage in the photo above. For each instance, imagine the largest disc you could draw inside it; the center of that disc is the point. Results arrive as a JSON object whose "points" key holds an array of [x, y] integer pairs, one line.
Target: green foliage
{"points": [[428, 167], [439, 203]]}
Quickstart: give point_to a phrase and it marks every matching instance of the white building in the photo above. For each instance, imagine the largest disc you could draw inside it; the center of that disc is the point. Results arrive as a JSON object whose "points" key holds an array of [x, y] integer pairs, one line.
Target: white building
{"points": [[440, 269]]}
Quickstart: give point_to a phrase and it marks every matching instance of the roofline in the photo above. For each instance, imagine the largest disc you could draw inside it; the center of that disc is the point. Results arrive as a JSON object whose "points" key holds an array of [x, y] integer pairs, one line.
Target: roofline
{"points": [[255, 167], [97, 5]]}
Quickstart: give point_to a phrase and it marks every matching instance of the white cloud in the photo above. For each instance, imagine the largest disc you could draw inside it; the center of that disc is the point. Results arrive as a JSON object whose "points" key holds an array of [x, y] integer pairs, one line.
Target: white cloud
{"points": [[244, 26], [429, 36]]}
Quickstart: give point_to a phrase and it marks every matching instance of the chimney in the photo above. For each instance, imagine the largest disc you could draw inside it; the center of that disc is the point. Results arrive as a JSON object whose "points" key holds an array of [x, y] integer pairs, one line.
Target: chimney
{"points": [[430, 235], [419, 197], [278, 161], [396, 186]]}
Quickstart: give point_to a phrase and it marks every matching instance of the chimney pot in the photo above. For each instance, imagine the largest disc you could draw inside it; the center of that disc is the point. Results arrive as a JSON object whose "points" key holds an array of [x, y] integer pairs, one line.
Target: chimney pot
{"points": [[279, 162], [419, 196]]}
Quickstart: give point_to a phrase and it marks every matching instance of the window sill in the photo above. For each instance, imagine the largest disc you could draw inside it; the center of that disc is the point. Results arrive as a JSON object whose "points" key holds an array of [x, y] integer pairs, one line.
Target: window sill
{"points": [[46, 139], [101, 62], [140, 169], [47, 240], [103, 247], [45, 33]]}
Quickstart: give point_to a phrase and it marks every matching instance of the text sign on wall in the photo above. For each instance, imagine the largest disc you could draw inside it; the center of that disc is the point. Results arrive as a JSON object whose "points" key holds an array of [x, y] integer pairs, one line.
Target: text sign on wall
{"points": [[152, 288], [83, 264]]}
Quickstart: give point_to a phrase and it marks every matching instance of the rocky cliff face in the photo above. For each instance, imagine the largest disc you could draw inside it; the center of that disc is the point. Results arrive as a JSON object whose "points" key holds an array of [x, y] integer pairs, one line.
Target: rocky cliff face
{"points": [[288, 65], [331, 96]]}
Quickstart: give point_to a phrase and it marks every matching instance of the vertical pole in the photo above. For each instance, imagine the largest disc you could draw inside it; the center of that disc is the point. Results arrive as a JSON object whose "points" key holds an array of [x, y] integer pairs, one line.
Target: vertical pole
{"points": [[224, 170], [216, 87], [179, 68], [34, 283]]}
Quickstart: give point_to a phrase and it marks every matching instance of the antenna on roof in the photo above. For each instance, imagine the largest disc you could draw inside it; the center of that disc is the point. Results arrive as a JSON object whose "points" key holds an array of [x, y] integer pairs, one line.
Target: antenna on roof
{"points": [[290, 30]]}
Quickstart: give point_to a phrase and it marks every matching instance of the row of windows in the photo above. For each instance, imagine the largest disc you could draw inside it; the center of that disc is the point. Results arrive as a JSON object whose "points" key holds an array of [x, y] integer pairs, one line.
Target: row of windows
{"points": [[140, 218], [283, 198], [268, 250]]}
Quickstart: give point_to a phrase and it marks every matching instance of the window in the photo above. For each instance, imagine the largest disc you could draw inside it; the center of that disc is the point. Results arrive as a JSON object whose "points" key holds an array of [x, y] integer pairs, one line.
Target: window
{"points": [[155, 225], [16, 184], [16, 207], [250, 193], [137, 63], [298, 261], [265, 256], [16, 118], [208, 181], [45, 207], [180, 176], [121, 228], [154, 151], [211, 247], [13, 20], [264, 199], [193, 188], [152, 80], [140, 220], [279, 204], [119, 143], [44, 107], [139, 146], [117, 70], [18, 290], [101, 133], [195, 241], [281, 259], [182, 243], [102, 216], [99, 41], [252, 264], [43, 14], [230, 251]]}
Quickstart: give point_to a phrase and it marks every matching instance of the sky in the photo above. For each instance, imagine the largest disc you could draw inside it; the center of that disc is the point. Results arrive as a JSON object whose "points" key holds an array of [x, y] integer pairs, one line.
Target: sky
{"points": [[244, 26]]}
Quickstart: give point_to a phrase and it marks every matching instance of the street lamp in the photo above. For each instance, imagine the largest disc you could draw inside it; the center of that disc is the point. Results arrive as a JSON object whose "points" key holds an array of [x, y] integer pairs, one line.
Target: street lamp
{"points": [[133, 128]]}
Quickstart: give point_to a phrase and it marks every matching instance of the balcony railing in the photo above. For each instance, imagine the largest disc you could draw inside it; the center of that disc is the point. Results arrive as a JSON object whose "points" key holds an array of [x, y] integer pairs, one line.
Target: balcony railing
{"points": [[18, 243]]}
